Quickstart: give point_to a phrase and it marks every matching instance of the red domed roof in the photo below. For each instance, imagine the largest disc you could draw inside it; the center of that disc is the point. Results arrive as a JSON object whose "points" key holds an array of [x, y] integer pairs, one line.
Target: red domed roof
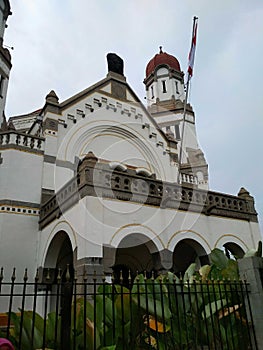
{"points": [[162, 58]]}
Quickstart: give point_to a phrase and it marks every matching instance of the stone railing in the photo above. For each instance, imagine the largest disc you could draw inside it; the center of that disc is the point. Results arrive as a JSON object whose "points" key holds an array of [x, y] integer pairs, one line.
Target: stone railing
{"points": [[99, 180], [20, 140], [188, 178]]}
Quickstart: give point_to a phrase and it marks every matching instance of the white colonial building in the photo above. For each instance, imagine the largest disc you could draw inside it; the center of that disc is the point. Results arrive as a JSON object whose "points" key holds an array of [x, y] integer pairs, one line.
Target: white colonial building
{"points": [[95, 181]]}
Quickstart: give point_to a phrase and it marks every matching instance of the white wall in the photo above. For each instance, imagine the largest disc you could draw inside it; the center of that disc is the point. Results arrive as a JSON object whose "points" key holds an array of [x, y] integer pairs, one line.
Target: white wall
{"points": [[21, 175], [95, 221], [18, 243]]}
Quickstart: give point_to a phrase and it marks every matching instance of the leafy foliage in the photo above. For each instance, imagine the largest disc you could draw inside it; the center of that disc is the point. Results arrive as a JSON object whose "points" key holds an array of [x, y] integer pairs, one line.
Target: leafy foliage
{"points": [[204, 308]]}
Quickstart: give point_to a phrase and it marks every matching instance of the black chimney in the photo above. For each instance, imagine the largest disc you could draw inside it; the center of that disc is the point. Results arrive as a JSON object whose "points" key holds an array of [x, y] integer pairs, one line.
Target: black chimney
{"points": [[115, 63]]}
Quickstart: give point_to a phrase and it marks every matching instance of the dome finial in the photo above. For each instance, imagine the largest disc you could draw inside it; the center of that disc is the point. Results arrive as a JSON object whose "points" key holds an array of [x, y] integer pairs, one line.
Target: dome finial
{"points": [[161, 49]]}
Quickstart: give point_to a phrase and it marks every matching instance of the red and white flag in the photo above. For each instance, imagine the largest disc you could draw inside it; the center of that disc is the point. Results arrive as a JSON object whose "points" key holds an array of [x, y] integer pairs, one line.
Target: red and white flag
{"points": [[191, 56]]}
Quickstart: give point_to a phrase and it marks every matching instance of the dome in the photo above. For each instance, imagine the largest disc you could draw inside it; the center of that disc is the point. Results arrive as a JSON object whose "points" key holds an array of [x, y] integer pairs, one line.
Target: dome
{"points": [[162, 58]]}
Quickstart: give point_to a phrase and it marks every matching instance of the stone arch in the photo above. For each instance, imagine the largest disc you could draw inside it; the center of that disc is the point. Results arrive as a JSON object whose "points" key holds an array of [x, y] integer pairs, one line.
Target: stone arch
{"points": [[62, 226], [186, 252], [59, 257], [188, 234], [79, 138], [233, 249], [145, 231], [232, 244], [188, 247], [135, 253], [59, 253]]}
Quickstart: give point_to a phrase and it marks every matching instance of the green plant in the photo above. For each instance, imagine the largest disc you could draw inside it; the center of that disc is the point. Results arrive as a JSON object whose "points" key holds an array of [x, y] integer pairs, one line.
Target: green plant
{"points": [[31, 331], [204, 308]]}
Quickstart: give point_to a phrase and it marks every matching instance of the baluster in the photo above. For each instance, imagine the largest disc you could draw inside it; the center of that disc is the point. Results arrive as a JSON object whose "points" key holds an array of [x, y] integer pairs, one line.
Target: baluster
{"points": [[25, 141], [18, 139], [32, 142]]}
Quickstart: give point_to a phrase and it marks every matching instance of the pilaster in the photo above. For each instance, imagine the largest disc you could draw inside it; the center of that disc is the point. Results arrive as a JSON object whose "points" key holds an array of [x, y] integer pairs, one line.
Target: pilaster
{"points": [[251, 269]]}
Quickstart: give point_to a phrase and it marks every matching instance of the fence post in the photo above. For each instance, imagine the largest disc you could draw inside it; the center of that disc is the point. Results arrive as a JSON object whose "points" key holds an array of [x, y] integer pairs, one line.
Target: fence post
{"points": [[251, 268], [66, 300]]}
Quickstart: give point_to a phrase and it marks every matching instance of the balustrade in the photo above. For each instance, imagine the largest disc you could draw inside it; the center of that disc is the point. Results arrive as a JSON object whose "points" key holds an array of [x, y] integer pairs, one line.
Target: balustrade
{"points": [[22, 140], [128, 185]]}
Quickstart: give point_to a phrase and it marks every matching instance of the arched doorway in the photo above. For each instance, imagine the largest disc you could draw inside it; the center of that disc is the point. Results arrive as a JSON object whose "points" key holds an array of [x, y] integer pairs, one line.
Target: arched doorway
{"points": [[136, 253], [233, 250], [186, 252], [59, 254]]}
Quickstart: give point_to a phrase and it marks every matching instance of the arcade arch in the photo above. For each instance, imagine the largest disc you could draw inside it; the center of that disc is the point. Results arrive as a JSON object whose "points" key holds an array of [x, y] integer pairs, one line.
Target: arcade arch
{"points": [[233, 250], [186, 252], [233, 245], [135, 253], [59, 253]]}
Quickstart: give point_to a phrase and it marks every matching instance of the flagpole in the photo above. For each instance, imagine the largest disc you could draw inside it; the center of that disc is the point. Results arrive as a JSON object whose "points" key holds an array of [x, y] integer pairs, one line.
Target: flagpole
{"points": [[185, 104]]}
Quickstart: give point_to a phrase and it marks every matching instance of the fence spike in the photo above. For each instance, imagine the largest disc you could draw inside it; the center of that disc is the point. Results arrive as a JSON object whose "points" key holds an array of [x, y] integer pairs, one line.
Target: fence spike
{"points": [[112, 278], [152, 278], [75, 276], [59, 275], [67, 274], [48, 274], [180, 277], [37, 276], [25, 275], [85, 277], [13, 275], [144, 275], [121, 277], [129, 276], [1, 274]]}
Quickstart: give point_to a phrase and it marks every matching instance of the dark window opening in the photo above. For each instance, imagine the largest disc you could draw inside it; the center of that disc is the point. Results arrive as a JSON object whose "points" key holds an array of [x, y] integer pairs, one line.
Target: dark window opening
{"points": [[152, 91], [1, 85], [164, 86], [176, 87]]}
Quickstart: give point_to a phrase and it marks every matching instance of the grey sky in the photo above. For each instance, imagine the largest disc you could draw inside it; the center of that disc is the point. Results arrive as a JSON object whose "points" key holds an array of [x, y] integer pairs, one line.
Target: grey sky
{"points": [[62, 45]]}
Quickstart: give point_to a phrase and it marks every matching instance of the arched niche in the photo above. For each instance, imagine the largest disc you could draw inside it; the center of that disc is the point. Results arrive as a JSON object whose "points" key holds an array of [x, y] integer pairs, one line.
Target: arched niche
{"points": [[59, 253], [186, 252], [233, 250], [135, 253]]}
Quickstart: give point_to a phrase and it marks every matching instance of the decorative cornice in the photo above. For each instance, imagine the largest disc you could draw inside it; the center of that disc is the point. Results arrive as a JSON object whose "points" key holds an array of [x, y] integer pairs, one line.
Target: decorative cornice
{"points": [[19, 207]]}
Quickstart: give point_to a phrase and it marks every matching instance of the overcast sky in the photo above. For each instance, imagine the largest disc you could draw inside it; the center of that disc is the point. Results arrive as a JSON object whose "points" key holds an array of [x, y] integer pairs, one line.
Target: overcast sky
{"points": [[62, 45]]}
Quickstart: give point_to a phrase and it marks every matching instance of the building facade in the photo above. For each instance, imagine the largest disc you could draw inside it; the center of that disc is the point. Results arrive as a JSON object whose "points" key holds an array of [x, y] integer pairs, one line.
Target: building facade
{"points": [[96, 181]]}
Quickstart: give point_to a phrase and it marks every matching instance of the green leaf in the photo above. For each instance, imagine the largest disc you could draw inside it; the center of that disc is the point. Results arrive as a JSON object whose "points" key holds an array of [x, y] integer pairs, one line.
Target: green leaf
{"points": [[204, 272], [153, 306], [213, 307], [218, 258], [231, 271], [189, 273], [122, 304]]}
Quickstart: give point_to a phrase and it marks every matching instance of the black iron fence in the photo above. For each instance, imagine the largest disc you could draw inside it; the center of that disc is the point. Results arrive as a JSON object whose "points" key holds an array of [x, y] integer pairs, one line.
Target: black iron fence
{"points": [[165, 313]]}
